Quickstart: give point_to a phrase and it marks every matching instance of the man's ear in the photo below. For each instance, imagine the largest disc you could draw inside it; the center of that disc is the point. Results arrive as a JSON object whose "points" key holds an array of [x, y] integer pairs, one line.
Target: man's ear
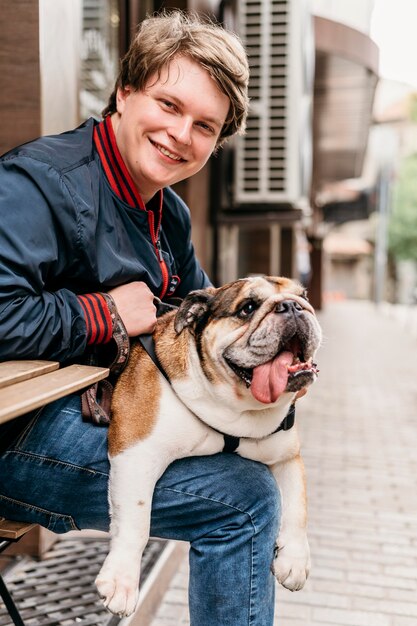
{"points": [[193, 309], [121, 95]]}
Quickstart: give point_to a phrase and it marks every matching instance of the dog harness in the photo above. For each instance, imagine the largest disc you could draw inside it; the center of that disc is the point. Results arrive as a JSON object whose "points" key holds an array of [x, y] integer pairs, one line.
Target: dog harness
{"points": [[96, 400], [231, 443]]}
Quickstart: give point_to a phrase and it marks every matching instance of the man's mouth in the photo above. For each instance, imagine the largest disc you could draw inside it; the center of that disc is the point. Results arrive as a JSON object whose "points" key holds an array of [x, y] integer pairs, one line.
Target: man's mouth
{"points": [[166, 152], [289, 370]]}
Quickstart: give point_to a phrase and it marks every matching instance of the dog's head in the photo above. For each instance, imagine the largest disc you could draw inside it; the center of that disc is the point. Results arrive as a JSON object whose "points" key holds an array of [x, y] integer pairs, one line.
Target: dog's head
{"points": [[258, 334]]}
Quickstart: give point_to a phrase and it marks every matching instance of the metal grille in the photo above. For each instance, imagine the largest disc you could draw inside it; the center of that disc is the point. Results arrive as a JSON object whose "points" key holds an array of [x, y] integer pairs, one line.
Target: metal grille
{"points": [[261, 153], [273, 160], [60, 590], [278, 100]]}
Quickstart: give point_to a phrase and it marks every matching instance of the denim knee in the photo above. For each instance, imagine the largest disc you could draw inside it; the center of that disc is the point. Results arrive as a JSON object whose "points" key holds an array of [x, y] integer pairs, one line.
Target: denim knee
{"points": [[255, 492], [266, 510], [197, 495]]}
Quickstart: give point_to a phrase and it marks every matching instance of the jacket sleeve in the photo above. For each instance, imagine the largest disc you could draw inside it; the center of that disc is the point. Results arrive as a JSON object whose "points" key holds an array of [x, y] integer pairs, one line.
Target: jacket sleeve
{"points": [[38, 239]]}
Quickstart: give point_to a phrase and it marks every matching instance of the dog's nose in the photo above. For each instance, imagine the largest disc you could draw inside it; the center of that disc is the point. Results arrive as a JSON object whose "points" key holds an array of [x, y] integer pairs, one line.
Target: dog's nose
{"points": [[288, 307]]}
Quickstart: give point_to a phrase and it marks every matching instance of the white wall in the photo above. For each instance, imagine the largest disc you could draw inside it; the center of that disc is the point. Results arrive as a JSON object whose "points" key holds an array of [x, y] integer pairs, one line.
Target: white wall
{"points": [[353, 13], [60, 23]]}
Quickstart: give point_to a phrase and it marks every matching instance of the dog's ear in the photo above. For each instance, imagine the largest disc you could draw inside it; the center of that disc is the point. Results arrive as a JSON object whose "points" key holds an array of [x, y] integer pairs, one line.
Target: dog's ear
{"points": [[193, 308]]}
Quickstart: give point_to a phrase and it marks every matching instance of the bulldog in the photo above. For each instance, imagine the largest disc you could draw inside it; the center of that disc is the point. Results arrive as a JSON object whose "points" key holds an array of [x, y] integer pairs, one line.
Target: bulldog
{"points": [[233, 360]]}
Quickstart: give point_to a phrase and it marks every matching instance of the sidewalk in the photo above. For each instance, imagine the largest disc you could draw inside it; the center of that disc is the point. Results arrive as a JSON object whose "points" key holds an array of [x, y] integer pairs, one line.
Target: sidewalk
{"points": [[358, 427]]}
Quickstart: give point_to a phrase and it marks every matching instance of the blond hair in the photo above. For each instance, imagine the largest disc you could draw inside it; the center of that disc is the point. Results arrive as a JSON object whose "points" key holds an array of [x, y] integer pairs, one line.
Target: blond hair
{"points": [[173, 33]]}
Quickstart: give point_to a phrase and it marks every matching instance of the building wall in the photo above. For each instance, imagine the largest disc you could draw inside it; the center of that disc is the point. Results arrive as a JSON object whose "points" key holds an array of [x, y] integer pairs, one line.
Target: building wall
{"points": [[60, 54], [353, 13], [39, 58], [19, 69]]}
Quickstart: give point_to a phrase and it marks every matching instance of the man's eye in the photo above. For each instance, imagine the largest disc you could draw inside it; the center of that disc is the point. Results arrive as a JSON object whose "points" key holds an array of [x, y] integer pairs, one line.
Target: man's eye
{"points": [[168, 104], [247, 309], [206, 127]]}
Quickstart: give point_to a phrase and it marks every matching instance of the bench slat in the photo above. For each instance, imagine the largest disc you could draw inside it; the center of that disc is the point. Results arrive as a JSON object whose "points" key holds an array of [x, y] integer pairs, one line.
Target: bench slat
{"points": [[31, 394], [13, 530], [12, 372]]}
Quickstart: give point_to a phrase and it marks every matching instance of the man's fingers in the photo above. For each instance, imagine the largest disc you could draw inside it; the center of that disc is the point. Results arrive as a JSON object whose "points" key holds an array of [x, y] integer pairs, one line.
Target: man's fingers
{"points": [[135, 305]]}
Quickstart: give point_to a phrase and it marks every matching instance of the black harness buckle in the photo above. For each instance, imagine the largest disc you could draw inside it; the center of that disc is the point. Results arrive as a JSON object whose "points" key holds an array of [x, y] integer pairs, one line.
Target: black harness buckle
{"points": [[231, 443]]}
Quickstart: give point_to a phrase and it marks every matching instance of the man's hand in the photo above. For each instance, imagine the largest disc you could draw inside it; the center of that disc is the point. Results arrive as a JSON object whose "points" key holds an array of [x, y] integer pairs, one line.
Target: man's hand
{"points": [[134, 302]]}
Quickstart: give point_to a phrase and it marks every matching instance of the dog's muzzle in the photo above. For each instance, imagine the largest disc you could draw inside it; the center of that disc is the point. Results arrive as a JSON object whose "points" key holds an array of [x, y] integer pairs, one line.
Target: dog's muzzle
{"points": [[279, 350]]}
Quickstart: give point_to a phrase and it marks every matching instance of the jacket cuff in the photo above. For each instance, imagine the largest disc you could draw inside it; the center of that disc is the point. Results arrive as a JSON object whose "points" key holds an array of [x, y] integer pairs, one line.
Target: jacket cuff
{"points": [[97, 318]]}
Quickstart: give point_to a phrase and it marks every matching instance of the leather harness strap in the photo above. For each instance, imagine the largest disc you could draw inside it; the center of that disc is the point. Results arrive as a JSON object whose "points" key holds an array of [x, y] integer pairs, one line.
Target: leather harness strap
{"points": [[148, 344], [96, 400]]}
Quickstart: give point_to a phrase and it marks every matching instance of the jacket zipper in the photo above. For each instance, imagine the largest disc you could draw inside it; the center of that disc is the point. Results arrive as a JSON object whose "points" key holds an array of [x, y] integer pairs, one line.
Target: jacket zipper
{"points": [[157, 245]]}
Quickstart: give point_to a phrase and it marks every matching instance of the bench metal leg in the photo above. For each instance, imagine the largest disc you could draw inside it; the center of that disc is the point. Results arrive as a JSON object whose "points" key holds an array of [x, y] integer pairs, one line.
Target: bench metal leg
{"points": [[10, 605], [5, 594]]}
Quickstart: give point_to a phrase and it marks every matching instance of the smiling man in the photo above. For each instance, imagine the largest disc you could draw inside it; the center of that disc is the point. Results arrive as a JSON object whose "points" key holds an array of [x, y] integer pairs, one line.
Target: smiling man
{"points": [[90, 233]]}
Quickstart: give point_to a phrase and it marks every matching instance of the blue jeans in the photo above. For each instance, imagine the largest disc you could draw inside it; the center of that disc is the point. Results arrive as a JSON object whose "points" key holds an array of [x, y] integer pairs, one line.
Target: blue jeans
{"points": [[54, 471]]}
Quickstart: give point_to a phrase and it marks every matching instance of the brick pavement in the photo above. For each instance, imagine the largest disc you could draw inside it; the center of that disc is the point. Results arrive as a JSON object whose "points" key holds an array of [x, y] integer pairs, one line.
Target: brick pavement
{"points": [[359, 438]]}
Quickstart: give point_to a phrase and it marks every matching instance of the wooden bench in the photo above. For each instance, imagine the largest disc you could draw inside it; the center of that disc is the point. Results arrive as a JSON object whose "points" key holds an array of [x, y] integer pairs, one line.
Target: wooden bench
{"points": [[25, 386]]}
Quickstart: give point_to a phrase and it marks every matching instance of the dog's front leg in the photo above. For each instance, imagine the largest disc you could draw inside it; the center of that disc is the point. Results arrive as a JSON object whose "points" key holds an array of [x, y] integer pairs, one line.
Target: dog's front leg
{"points": [[131, 489], [292, 564]]}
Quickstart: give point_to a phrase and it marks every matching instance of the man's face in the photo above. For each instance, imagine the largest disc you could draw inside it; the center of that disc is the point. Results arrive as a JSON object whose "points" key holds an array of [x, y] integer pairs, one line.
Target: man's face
{"points": [[167, 132]]}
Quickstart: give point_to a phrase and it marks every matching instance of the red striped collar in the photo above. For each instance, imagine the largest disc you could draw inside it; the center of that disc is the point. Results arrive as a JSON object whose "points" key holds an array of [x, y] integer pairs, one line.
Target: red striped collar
{"points": [[116, 171]]}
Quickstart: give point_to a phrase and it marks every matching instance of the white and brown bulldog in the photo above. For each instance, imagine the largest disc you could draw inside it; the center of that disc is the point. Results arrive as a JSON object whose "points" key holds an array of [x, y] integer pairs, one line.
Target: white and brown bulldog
{"points": [[235, 358]]}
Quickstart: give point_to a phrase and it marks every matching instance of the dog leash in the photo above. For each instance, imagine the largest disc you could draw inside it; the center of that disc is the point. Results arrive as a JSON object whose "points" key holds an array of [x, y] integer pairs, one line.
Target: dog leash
{"points": [[146, 340], [96, 400]]}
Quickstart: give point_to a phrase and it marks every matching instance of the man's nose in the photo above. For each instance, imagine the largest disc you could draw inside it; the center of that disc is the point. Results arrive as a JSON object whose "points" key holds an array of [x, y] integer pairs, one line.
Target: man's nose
{"points": [[181, 130]]}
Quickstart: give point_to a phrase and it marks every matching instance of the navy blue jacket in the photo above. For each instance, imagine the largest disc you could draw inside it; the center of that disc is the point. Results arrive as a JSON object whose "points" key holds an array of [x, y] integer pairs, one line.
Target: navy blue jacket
{"points": [[65, 232]]}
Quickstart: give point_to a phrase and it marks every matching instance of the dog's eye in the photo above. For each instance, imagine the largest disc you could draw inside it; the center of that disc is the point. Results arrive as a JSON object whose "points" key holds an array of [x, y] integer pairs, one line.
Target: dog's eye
{"points": [[247, 309], [305, 295]]}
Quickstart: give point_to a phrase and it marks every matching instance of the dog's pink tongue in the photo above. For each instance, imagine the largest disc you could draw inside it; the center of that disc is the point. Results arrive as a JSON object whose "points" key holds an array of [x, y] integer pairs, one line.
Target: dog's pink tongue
{"points": [[270, 380]]}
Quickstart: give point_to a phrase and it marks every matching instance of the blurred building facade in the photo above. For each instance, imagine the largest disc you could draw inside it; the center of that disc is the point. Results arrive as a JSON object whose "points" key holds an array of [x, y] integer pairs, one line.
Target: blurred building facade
{"points": [[345, 82], [260, 205], [393, 140]]}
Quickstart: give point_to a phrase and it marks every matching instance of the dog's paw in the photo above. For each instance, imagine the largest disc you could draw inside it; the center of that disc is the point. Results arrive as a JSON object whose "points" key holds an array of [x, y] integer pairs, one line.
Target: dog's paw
{"points": [[119, 592], [291, 566]]}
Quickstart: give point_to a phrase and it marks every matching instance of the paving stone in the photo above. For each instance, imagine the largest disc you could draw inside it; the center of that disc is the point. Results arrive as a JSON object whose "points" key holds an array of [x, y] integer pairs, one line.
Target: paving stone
{"points": [[388, 607], [293, 610], [382, 581], [404, 621], [337, 617], [348, 590]]}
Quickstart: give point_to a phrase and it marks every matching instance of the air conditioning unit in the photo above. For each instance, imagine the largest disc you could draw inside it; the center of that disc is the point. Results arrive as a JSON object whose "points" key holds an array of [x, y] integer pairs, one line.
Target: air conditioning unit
{"points": [[273, 161]]}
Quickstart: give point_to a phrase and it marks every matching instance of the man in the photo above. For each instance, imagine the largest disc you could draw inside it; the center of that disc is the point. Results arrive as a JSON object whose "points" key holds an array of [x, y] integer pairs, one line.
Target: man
{"points": [[89, 224]]}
